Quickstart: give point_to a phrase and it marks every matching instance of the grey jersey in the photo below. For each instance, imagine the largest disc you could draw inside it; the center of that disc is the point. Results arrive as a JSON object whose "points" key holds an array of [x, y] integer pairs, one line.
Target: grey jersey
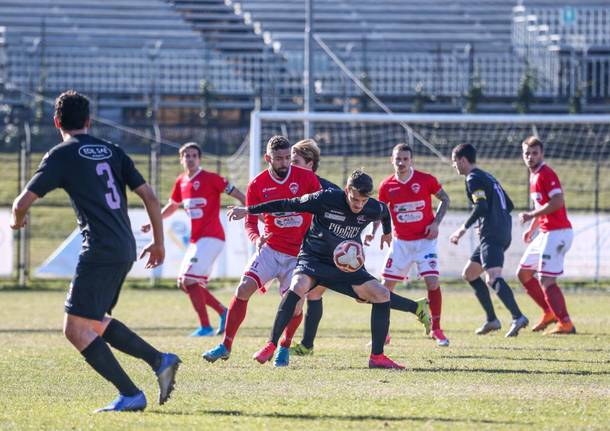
{"points": [[95, 174]]}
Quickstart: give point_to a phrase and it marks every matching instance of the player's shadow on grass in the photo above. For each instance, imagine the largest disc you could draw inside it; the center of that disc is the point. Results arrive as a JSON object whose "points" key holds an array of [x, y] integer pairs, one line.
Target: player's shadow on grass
{"points": [[304, 416], [509, 371], [534, 359]]}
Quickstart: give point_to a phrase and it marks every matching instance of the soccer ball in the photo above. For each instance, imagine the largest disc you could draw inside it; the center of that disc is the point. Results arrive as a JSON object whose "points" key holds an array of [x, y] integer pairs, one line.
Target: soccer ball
{"points": [[348, 256]]}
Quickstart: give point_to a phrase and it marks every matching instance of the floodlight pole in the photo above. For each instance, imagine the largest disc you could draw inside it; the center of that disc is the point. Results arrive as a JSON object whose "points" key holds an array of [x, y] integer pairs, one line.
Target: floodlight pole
{"points": [[308, 65]]}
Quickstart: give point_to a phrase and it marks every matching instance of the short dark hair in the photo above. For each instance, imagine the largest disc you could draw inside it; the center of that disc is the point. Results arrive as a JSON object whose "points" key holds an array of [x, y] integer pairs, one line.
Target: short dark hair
{"points": [[278, 142], [533, 141], [402, 147], [361, 182], [72, 110], [188, 145], [466, 150]]}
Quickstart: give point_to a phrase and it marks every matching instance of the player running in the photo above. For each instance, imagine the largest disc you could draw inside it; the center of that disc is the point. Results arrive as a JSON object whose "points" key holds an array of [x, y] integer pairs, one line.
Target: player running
{"points": [[408, 194], [492, 207], [279, 245], [95, 174], [339, 216], [546, 252], [199, 192], [304, 154]]}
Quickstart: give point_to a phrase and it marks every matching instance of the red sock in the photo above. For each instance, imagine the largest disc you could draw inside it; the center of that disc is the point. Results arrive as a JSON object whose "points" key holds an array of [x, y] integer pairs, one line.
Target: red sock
{"points": [[534, 290], [211, 300], [197, 295], [235, 315], [435, 298], [557, 302], [292, 327]]}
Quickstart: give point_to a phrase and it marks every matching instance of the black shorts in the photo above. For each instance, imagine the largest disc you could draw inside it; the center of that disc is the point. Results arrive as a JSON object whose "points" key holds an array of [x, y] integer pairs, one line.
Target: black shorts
{"points": [[328, 275], [95, 288], [490, 254]]}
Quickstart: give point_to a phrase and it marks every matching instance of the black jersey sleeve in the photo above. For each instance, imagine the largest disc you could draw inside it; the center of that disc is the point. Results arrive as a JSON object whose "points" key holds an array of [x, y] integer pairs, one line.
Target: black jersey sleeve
{"points": [[310, 203], [133, 178], [386, 219], [476, 188], [48, 176]]}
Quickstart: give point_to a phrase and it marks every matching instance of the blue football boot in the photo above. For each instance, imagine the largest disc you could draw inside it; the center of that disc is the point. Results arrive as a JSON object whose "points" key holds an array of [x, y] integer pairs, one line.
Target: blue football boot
{"points": [[123, 403], [166, 375], [218, 352], [282, 357], [203, 331], [222, 323]]}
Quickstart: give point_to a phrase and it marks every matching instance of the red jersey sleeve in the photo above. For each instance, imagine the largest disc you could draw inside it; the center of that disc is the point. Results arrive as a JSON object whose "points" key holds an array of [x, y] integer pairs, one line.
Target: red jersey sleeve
{"points": [[176, 195], [383, 193], [433, 185], [220, 183], [252, 220], [549, 183]]}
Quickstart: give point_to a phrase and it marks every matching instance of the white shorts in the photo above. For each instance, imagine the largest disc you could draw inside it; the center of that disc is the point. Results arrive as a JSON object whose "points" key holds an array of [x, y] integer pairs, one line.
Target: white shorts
{"points": [[547, 251], [199, 258], [403, 254], [267, 264]]}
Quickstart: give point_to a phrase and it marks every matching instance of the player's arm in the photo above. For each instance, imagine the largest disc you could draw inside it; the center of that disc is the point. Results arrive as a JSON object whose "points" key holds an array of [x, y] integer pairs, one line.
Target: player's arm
{"points": [[234, 192], [21, 205], [441, 210], [309, 203], [369, 237], [155, 249], [528, 235], [479, 209], [167, 211], [555, 203]]}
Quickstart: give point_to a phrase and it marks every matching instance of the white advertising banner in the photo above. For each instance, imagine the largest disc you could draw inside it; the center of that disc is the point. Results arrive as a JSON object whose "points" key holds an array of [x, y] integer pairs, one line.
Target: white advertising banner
{"points": [[6, 244], [589, 255]]}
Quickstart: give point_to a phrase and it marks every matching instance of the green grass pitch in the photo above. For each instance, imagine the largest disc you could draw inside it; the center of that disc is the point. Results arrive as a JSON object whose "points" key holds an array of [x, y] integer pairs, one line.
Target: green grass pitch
{"points": [[488, 382]]}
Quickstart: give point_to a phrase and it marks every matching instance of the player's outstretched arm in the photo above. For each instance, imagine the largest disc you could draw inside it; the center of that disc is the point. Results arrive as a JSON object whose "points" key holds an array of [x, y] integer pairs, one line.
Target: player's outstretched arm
{"points": [[156, 249], [169, 209], [237, 194], [21, 205]]}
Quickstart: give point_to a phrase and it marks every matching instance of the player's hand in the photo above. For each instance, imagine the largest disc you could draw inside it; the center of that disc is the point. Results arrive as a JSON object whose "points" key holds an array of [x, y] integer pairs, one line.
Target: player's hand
{"points": [[145, 228], [18, 224], [156, 254], [525, 217], [528, 236], [455, 236], [237, 213], [432, 230], [385, 239], [262, 240], [368, 238]]}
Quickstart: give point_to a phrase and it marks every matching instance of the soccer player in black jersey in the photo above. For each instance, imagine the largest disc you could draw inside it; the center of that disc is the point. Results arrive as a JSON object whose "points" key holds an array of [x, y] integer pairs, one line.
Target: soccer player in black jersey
{"points": [[95, 174], [491, 208], [339, 215]]}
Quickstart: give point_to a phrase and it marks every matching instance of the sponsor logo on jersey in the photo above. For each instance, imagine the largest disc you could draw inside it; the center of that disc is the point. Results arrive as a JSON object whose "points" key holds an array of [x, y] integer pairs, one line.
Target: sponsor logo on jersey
{"points": [[536, 197], [346, 232], [268, 189], [409, 206], [415, 187], [431, 256], [331, 216], [410, 217], [194, 207], [294, 188], [393, 189], [288, 221], [95, 152], [361, 219]]}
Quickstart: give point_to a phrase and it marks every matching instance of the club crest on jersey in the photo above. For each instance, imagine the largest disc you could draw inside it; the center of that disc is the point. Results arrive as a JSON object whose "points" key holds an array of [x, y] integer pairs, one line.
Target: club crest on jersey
{"points": [[361, 219], [294, 188], [415, 187], [196, 185], [95, 152]]}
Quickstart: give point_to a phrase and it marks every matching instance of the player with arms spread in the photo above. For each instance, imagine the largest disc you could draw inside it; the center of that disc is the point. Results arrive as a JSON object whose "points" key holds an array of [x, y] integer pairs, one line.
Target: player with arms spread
{"points": [[491, 207], [339, 217], [546, 252], [199, 192], [279, 244], [95, 174], [407, 193]]}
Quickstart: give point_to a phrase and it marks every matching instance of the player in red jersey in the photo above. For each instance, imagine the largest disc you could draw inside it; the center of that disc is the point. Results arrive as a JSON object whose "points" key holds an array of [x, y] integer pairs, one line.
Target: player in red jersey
{"points": [[408, 195], [545, 252], [199, 192], [281, 240]]}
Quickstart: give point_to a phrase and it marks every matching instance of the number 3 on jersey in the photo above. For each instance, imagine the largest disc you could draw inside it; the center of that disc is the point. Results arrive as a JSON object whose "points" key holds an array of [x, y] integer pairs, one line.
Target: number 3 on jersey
{"points": [[113, 199]]}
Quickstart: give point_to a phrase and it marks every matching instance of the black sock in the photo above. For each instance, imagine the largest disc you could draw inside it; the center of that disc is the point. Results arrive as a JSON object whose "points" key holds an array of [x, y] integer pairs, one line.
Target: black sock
{"points": [[100, 357], [505, 293], [312, 320], [401, 303], [482, 293], [380, 325], [284, 313], [124, 339]]}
